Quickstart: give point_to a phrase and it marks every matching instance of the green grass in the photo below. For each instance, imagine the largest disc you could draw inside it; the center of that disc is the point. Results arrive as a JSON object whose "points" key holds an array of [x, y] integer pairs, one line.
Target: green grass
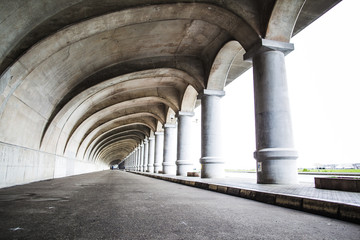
{"points": [[304, 170], [331, 170]]}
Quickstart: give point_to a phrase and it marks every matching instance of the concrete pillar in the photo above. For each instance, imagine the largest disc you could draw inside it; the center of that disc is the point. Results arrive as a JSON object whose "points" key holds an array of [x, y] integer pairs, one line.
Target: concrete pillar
{"points": [[142, 168], [159, 151], [133, 161], [138, 166], [275, 153], [184, 162], [146, 154], [212, 163], [170, 145], [150, 166]]}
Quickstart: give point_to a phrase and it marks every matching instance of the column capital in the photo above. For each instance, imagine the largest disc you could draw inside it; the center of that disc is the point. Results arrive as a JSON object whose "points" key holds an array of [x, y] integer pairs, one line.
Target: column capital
{"points": [[159, 133], [183, 113], [265, 45], [169, 125], [210, 92], [151, 138], [146, 141]]}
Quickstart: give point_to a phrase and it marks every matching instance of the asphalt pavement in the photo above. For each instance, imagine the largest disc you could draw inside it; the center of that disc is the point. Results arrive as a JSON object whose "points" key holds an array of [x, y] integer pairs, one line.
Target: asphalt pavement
{"points": [[121, 205]]}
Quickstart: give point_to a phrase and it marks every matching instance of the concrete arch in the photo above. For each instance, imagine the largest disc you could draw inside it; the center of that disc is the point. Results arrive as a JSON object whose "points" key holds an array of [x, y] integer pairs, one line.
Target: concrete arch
{"points": [[138, 135], [283, 19], [222, 65], [78, 107], [50, 82], [120, 148], [149, 121], [171, 116], [146, 105], [73, 39], [189, 99], [87, 152], [100, 146], [73, 147], [122, 17], [159, 127], [116, 150], [64, 62]]}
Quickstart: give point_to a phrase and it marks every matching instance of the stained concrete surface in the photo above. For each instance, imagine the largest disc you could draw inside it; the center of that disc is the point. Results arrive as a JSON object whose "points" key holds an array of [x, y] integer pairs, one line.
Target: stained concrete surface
{"points": [[120, 205]]}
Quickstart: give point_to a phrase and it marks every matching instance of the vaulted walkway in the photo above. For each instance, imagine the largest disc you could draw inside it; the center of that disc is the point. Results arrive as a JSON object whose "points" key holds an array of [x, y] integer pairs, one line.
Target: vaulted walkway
{"points": [[120, 205], [89, 84]]}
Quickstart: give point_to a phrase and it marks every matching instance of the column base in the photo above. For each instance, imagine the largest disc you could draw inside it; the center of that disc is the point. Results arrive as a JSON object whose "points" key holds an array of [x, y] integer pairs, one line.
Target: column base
{"points": [[212, 167], [150, 168], [169, 168], [276, 166], [157, 167], [183, 167]]}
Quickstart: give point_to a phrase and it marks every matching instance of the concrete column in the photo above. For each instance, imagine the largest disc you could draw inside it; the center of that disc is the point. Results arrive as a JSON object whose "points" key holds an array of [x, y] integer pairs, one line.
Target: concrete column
{"points": [[131, 164], [133, 161], [170, 145], [212, 163], [142, 168], [146, 154], [159, 151], [275, 153], [137, 158], [150, 166], [184, 162]]}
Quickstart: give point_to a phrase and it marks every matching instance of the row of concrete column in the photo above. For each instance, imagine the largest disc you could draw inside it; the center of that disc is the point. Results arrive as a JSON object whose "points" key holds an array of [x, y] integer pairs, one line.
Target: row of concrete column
{"points": [[168, 151], [275, 153]]}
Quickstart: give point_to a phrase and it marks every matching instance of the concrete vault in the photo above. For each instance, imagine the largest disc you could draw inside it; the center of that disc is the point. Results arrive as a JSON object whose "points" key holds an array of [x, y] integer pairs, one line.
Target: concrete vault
{"points": [[83, 83]]}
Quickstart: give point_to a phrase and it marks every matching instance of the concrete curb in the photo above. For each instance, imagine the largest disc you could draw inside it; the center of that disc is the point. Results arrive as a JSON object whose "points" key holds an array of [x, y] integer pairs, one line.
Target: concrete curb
{"points": [[342, 211]]}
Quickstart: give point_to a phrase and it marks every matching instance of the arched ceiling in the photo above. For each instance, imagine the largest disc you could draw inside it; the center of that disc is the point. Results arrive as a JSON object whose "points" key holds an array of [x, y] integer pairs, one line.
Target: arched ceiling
{"points": [[90, 79]]}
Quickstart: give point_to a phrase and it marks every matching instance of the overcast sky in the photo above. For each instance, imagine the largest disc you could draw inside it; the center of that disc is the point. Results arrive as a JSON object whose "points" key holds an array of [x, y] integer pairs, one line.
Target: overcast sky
{"points": [[324, 91]]}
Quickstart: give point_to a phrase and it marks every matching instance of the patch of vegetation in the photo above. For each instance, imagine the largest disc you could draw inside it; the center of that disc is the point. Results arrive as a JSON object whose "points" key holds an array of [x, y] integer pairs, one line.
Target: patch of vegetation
{"points": [[330, 170]]}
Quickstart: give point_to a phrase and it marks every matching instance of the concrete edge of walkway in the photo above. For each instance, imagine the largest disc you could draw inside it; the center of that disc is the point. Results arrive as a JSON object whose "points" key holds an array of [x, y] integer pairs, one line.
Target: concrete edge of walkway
{"points": [[342, 211]]}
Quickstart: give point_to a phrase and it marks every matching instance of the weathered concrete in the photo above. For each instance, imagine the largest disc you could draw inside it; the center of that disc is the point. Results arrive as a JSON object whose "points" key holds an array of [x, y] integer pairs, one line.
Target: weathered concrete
{"points": [[159, 151], [150, 166], [96, 206], [146, 154], [184, 162], [212, 162], [27, 165], [275, 153], [170, 139], [88, 81]]}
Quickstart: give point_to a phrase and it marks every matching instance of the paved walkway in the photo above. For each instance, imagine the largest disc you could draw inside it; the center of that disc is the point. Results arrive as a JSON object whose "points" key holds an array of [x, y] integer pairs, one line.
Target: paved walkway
{"points": [[305, 188], [121, 205], [303, 196]]}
